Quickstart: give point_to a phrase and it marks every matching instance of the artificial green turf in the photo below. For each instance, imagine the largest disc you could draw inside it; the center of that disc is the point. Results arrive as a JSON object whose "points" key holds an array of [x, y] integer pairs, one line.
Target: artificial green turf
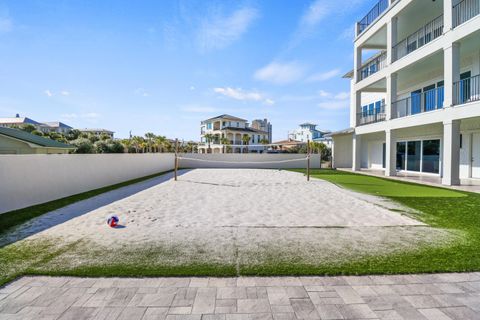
{"points": [[13, 218]]}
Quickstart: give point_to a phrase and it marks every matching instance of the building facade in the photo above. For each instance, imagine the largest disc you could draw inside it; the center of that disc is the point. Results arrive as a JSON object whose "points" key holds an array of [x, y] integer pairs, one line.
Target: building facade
{"points": [[263, 125], [309, 132], [424, 117], [229, 134], [98, 132]]}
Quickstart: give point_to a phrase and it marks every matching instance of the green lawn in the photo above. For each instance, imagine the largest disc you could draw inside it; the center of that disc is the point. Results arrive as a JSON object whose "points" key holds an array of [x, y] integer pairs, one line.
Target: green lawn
{"points": [[456, 211]]}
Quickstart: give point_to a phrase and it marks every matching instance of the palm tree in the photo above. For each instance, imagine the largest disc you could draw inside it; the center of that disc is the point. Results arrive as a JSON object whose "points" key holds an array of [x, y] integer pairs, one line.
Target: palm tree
{"points": [[264, 142], [209, 138], [160, 142], [136, 142], [150, 136], [225, 142], [246, 140], [319, 147]]}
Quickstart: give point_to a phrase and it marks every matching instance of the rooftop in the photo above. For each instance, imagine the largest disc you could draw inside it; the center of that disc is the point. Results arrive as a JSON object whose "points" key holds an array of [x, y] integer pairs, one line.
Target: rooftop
{"points": [[248, 129], [55, 124], [18, 120], [32, 138], [226, 116], [95, 130]]}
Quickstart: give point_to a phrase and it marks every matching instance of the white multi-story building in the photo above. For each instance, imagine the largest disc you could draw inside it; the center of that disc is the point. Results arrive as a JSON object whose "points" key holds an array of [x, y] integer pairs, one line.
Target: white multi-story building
{"points": [[309, 132], [415, 104], [226, 134]]}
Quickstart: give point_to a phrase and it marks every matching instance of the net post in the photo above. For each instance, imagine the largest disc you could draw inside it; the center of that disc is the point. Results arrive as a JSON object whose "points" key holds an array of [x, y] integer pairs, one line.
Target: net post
{"points": [[176, 159], [308, 160]]}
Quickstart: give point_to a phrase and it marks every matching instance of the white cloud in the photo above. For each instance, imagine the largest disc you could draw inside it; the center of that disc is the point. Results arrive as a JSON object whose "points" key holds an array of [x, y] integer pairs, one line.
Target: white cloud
{"points": [[280, 73], [141, 92], [65, 93], [324, 93], [315, 13], [323, 76], [342, 95], [48, 93], [240, 94], [6, 24], [217, 31], [192, 88]]}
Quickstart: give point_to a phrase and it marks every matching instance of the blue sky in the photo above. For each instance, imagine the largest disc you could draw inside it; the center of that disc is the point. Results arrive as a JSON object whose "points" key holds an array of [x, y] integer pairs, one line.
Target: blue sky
{"points": [[163, 66]]}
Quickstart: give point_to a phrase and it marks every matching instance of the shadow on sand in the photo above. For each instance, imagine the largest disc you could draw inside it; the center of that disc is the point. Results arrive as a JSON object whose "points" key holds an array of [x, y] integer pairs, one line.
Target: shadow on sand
{"points": [[80, 208]]}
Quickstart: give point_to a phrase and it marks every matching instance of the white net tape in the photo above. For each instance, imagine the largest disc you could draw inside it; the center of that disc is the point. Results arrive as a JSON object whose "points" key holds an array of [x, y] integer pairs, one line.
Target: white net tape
{"points": [[245, 162]]}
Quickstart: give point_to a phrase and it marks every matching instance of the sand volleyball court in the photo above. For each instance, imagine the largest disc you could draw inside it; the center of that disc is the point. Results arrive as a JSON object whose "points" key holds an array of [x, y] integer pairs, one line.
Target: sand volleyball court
{"points": [[242, 215]]}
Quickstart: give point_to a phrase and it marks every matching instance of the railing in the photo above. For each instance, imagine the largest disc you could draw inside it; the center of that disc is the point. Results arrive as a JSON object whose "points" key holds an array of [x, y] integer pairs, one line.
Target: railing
{"points": [[373, 66], [371, 116], [464, 11], [418, 103], [421, 37], [371, 16], [466, 90]]}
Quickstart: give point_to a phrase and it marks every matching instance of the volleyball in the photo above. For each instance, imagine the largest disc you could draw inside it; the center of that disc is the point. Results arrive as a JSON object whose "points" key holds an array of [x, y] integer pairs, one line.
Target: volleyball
{"points": [[112, 221]]}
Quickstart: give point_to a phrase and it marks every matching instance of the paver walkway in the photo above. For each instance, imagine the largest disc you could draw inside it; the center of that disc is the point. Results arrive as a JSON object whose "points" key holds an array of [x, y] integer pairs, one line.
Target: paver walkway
{"points": [[439, 296]]}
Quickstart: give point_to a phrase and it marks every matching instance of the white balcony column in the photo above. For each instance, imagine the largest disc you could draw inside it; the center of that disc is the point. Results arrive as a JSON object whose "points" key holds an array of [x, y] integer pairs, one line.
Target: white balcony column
{"points": [[391, 39], [390, 153], [447, 15], [451, 69], [357, 63], [358, 106], [451, 152], [357, 152], [391, 96]]}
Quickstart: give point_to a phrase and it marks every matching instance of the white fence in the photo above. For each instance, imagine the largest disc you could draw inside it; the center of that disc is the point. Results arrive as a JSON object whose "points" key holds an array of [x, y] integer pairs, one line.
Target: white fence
{"points": [[248, 160], [26, 180]]}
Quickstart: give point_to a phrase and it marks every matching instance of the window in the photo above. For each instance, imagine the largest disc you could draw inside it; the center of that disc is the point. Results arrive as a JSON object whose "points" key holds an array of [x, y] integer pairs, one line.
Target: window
{"points": [[465, 87], [370, 109], [364, 111], [378, 106], [431, 156], [429, 97], [209, 125], [416, 97], [401, 155], [413, 155], [440, 95], [238, 124]]}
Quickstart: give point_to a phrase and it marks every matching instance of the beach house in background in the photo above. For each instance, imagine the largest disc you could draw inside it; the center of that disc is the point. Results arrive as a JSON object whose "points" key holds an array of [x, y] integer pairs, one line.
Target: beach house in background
{"points": [[226, 133], [309, 132], [263, 125], [45, 127], [98, 132], [415, 107], [14, 141]]}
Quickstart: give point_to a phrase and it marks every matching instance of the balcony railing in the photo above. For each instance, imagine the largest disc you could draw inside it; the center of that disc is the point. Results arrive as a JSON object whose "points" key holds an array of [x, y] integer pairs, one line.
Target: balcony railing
{"points": [[373, 66], [421, 37], [418, 103], [371, 16], [371, 116], [464, 11], [466, 90]]}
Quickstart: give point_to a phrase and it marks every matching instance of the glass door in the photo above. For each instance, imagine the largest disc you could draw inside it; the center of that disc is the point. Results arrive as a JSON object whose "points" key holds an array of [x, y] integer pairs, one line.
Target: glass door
{"points": [[416, 97]]}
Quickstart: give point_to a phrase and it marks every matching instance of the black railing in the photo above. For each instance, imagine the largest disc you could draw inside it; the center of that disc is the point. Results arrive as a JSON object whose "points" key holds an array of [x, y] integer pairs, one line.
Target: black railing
{"points": [[373, 66], [371, 116], [372, 15], [418, 103], [466, 90], [421, 37], [464, 11]]}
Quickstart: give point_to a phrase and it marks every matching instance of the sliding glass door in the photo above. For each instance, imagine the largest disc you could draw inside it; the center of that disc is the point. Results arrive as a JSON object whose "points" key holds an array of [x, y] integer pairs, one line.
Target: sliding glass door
{"points": [[414, 155], [419, 156], [431, 156]]}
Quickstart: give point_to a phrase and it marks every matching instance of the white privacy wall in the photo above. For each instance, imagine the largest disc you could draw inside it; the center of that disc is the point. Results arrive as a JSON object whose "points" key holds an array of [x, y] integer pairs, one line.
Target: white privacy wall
{"points": [[26, 180], [250, 160]]}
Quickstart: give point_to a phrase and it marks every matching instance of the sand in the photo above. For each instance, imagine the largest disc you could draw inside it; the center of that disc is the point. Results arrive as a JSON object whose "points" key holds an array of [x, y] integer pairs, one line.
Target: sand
{"points": [[246, 210]]}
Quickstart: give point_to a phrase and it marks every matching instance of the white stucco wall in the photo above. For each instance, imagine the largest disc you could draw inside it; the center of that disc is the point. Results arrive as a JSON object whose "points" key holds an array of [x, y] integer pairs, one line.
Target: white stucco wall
{"points": [[342, 151], [375, 158], [26, 180], [234, 160]]}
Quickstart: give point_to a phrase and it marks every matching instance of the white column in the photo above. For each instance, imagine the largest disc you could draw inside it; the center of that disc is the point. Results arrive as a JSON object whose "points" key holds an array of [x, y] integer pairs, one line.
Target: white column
{"points": [[358, 105], [447, 15], [451, 152], [391, 94], [451, 71], [357, 63], [357, 152], [391, 38], [390, 153]]}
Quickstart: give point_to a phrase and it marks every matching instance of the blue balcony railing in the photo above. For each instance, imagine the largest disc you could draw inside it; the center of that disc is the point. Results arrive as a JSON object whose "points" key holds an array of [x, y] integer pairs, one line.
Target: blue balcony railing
{"points": [[372, 15], [466, 90], [418, 103], [373, 115]]}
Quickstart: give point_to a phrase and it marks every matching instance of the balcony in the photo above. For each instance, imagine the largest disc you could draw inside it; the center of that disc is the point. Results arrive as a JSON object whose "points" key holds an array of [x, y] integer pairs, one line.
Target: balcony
{"points": [[464, 11], [466, 90], [371, 116], [418, 39], [373, 65], [418, 103], [372, 15]]}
